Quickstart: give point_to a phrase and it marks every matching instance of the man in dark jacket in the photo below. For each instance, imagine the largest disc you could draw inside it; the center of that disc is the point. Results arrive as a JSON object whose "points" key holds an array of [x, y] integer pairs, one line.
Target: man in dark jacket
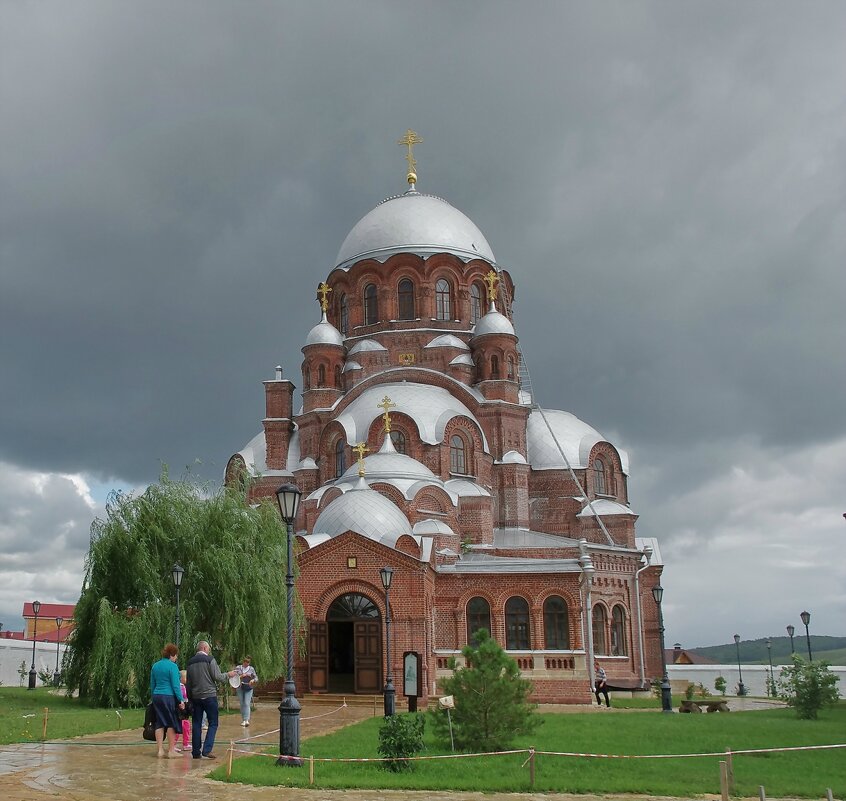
{"points": [[203, 672]]}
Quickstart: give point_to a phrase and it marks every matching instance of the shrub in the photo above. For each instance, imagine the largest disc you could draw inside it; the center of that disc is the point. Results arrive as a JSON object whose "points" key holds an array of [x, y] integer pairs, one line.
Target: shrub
{"points": [[720, 685], [689, 691], [401, 736], [808, 687], [491, 699]]}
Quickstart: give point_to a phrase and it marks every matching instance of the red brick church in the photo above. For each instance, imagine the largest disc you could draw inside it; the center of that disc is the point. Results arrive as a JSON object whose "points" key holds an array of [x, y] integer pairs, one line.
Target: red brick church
{"points": [[419, 446]]}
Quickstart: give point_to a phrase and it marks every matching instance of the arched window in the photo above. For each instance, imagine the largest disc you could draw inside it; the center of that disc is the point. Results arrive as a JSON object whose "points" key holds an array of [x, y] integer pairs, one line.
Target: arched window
{"points": [[494, 367], [321, 375], [405, 294], [556, 623], [340, 458], [618, 631], [477, 292], [352, 605], [443, 300], [511, 373], [398, 438], [478, 616], [371, 305], [517, 624], [457, 455], [338, 376], [600, 621], [343, 315], [599, 477], [307, 376]]}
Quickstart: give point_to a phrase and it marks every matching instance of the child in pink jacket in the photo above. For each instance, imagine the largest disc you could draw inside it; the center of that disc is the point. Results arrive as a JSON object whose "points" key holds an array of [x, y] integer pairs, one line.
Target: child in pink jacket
{"points": [[186, 722]]}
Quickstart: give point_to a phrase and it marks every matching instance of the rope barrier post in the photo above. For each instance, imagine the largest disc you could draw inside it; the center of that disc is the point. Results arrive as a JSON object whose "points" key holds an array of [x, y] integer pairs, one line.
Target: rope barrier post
{"points": [[532, 767], [724, 788], [311, 769], [828, 794], [729, 770], [44, 726], [229, 760], [762, 793]]}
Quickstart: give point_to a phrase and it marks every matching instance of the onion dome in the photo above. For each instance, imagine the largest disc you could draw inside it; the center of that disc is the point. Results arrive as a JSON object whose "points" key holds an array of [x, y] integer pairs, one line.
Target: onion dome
{"points": [[365, 512], [324, 333], [413, 223], [493, 323]]}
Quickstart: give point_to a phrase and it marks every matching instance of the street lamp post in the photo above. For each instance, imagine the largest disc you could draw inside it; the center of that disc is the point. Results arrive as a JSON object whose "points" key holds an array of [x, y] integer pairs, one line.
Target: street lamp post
{"points": [[387, 576], [288, 497], [791, 630], [771, 682], [741, 690], [176, 573], [57, 676], [666, 693], [36, 608], [806, 619]]}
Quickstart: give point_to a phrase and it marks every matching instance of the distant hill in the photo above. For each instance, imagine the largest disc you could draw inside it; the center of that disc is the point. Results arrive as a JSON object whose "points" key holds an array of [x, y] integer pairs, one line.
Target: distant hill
{"points": [[754, 652]]}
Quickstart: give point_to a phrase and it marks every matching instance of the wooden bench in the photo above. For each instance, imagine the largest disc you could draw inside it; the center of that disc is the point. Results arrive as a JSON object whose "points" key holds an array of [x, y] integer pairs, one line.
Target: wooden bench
{"points": [[710, 704]]}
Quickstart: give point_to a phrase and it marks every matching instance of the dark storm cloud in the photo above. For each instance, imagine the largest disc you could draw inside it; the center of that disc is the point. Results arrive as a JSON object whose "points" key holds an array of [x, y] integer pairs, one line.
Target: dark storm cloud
{"points": [[664, 181]]}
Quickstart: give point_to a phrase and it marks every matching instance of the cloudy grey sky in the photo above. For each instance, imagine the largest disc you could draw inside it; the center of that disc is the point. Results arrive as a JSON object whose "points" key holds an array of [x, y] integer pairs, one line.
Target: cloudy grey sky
{"points": [[665, 182]]}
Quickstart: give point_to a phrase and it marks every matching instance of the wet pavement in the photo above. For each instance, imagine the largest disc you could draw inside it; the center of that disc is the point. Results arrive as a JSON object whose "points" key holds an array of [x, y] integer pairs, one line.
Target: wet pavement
{"points": [[120, 766]]}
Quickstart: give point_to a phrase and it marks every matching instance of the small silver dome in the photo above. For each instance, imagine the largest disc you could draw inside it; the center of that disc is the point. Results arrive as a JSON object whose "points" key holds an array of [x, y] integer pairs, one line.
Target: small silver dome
{"points": [[366, 346], [387, 464], [413, 223], [493, 323], [365, 512], [324, 333]]}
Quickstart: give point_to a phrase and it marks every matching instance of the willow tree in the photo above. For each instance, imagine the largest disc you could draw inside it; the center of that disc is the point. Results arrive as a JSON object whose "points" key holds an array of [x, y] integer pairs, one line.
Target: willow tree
{"points": [[232, 593]]}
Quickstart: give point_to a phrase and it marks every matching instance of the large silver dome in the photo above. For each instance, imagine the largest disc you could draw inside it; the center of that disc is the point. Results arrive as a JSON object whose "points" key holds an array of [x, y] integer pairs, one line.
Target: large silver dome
{"points": [[416, 223], [387, 464]]}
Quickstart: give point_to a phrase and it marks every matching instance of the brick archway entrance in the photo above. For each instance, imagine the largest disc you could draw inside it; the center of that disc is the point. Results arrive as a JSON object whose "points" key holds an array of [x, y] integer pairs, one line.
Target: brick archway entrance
{"points": [[345, 650]]}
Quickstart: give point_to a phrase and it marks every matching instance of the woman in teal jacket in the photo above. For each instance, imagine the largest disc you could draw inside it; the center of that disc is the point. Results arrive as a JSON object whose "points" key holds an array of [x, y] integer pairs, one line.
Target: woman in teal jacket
{"points": [[167, 696]]}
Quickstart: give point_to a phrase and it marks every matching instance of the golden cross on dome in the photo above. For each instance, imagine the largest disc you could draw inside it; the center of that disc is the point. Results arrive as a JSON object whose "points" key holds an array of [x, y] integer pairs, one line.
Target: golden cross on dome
{"points": [[410, 140], [361, 449], [323, 289], [386, 404], [492, 279]]}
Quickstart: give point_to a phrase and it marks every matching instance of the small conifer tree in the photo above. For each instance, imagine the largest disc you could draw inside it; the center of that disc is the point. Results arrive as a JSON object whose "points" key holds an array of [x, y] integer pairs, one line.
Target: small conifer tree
{"points": [[491, 699]]}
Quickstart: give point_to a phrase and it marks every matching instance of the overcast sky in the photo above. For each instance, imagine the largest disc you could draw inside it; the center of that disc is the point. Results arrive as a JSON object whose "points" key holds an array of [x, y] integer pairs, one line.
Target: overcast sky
{"points": [[664, 181]]}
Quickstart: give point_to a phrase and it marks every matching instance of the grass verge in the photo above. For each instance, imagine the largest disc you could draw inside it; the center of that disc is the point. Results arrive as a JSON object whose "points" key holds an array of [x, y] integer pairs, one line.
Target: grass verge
{"points": [[22, 716], [798, 773]]}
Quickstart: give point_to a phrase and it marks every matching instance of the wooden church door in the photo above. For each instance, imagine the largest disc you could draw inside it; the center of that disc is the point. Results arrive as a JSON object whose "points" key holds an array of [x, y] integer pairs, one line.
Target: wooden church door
{"points": [[368, 656], [318, 657]]}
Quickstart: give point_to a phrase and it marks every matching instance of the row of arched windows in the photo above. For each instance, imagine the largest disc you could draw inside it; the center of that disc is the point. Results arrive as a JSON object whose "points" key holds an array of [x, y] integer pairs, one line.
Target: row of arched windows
{"points": [[607, 640], [407, 303], [321, 376], [556, 622], [458, 452]]}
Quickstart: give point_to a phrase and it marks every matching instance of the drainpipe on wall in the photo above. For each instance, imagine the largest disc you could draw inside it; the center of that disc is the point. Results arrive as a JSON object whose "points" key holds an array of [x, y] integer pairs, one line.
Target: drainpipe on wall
{"points": [[586, 563], [647, 553]]}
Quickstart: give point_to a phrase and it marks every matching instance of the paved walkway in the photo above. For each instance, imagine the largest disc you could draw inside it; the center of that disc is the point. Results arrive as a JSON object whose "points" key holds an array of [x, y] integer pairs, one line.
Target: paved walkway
{"points": [[118, 766]]}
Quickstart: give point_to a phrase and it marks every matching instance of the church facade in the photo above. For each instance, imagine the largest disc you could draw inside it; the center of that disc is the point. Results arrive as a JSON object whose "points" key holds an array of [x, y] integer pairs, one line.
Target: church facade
{"points": [[419, 446]]}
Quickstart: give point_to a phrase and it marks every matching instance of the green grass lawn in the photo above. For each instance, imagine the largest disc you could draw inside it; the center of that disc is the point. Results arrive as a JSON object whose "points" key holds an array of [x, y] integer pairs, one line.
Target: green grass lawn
{"points": [[22, 716], [800, 774]]}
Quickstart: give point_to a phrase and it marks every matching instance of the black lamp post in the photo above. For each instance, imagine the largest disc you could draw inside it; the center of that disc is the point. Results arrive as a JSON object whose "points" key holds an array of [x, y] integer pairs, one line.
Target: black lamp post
{"points": [[387, 576], [741, 690], [288, 496], [791, 630], [176, 573], [771, 682], [36, 608], [806, 619], [666, 694], [57, 676]]}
